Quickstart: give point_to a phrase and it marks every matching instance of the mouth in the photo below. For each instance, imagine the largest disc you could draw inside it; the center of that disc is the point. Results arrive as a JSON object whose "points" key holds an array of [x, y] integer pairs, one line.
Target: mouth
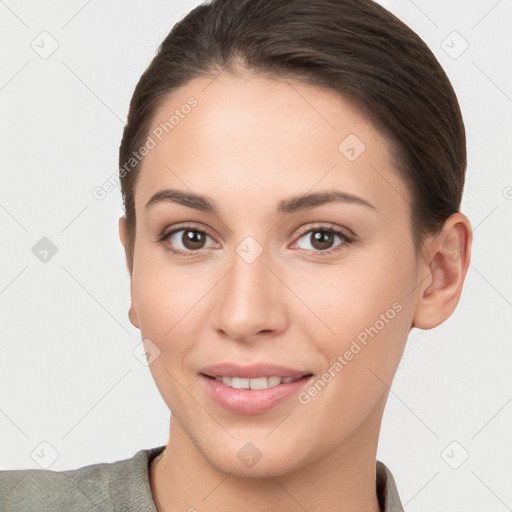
{"points": [[255, 383], [253, 389]]}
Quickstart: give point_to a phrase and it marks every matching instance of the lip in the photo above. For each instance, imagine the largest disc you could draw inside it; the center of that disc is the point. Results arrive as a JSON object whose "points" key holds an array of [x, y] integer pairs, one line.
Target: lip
{"points": [[251, 401], [252, 371]]}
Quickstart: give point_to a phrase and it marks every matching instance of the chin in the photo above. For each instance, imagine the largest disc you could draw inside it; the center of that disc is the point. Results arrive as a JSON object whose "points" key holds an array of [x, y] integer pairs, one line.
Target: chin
{"points": [[256, 460], [262, 469]]}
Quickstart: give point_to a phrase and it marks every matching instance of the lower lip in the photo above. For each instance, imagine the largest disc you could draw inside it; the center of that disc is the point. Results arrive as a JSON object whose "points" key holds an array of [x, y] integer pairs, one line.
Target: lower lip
{"points": [[251, 401]]}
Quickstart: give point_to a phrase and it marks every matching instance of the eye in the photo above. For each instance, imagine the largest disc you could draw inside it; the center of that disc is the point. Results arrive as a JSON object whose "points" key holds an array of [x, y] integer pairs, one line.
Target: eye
{"points": [[321, 240], [185, 241], [190, 240]]}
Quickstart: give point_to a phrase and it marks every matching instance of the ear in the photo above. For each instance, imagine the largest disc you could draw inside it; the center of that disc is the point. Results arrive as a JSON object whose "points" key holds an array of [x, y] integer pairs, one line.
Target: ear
{"points": [[445, 264], [123, 236]]}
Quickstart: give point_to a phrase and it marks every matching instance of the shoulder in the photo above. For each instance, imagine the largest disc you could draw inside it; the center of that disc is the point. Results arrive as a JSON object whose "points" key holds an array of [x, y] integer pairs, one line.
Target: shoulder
{"points": [[387, 492], [121, 485]]}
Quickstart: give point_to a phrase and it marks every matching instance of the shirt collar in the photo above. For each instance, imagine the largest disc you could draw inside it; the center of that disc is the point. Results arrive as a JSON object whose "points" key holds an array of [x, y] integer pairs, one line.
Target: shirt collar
{"points": [[389, 500]]}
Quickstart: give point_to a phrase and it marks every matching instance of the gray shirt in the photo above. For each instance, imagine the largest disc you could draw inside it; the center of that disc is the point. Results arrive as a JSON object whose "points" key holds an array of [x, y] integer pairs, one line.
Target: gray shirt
{"points": [[118, 486]]}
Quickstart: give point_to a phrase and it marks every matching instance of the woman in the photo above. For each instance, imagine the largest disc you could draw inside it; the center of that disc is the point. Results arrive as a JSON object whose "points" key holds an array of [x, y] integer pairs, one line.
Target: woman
{"points": [[292, 173]]}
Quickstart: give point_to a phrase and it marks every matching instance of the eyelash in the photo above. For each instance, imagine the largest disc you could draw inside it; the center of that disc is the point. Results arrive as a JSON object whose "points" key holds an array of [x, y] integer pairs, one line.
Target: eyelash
{"points": [[346, 240]]}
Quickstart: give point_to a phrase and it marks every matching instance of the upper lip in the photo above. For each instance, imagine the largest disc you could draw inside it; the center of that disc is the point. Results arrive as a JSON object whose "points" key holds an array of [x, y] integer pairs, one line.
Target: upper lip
{"points": [[252, 371]]}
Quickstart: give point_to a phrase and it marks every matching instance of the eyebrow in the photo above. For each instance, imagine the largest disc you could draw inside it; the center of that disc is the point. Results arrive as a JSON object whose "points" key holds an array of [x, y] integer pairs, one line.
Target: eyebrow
{"points": [[285, 207]]}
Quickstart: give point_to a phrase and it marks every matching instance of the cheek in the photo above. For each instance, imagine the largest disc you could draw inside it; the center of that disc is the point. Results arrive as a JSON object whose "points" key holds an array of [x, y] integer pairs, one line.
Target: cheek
{"points": [[171, 302], [165, 303], [164, 293], [366, 313], [345, 300], [360, 359]]}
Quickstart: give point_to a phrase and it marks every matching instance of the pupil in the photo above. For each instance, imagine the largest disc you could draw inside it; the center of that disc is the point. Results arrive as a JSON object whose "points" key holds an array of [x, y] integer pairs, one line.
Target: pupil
{"points": [[322, 240], [193, 240]]}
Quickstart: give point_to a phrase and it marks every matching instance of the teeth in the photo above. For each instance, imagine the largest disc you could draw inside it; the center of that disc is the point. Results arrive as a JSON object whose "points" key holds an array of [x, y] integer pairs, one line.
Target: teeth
{"points": [[274, 381], [238, 383], [259, 383], [256, 383]]}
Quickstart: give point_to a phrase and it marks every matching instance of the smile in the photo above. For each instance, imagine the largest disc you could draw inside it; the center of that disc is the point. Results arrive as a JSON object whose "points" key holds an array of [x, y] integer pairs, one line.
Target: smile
{"points": [[255, 383]]}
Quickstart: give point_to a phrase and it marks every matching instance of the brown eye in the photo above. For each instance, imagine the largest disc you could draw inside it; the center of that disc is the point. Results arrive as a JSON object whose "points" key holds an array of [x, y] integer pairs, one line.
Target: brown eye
{"points": [[322, 240], [193, 239], [187, 239]]}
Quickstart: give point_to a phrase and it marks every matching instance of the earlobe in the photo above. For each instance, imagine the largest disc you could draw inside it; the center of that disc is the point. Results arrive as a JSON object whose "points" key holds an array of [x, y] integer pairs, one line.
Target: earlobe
{"points": [[447, 259], [132, 315]]}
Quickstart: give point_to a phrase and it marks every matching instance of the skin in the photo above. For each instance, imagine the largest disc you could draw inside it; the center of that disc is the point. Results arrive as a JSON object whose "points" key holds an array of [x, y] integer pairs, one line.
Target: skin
{"points": [[250, 143]]}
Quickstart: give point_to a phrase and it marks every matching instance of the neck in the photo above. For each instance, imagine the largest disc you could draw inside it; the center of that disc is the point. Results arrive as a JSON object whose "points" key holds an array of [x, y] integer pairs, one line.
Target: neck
{"points": [[344, 479]]}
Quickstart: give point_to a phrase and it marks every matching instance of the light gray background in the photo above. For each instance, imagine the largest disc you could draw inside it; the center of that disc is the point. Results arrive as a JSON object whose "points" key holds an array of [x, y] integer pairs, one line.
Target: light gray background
{"points": [[68, 375]]}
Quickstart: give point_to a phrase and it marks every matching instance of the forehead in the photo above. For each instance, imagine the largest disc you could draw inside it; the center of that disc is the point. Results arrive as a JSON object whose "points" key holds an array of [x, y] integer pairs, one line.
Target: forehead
{"points": [[256, 136]]}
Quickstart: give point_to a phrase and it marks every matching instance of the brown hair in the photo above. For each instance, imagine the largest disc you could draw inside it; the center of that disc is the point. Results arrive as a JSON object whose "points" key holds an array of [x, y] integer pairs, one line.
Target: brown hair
{"points": [[354, 47]]}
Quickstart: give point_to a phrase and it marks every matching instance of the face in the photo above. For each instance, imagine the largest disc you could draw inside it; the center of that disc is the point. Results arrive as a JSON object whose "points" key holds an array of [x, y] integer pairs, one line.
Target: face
{"points": [[254, 281]]}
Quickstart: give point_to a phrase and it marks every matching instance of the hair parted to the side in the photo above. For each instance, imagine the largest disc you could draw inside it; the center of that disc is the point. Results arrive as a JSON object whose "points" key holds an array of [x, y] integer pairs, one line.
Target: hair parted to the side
{"points": [[353, 47]]}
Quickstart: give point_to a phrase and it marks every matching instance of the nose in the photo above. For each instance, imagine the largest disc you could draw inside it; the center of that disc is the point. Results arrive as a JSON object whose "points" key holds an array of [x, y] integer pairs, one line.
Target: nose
{"points": [[250, 301]]}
